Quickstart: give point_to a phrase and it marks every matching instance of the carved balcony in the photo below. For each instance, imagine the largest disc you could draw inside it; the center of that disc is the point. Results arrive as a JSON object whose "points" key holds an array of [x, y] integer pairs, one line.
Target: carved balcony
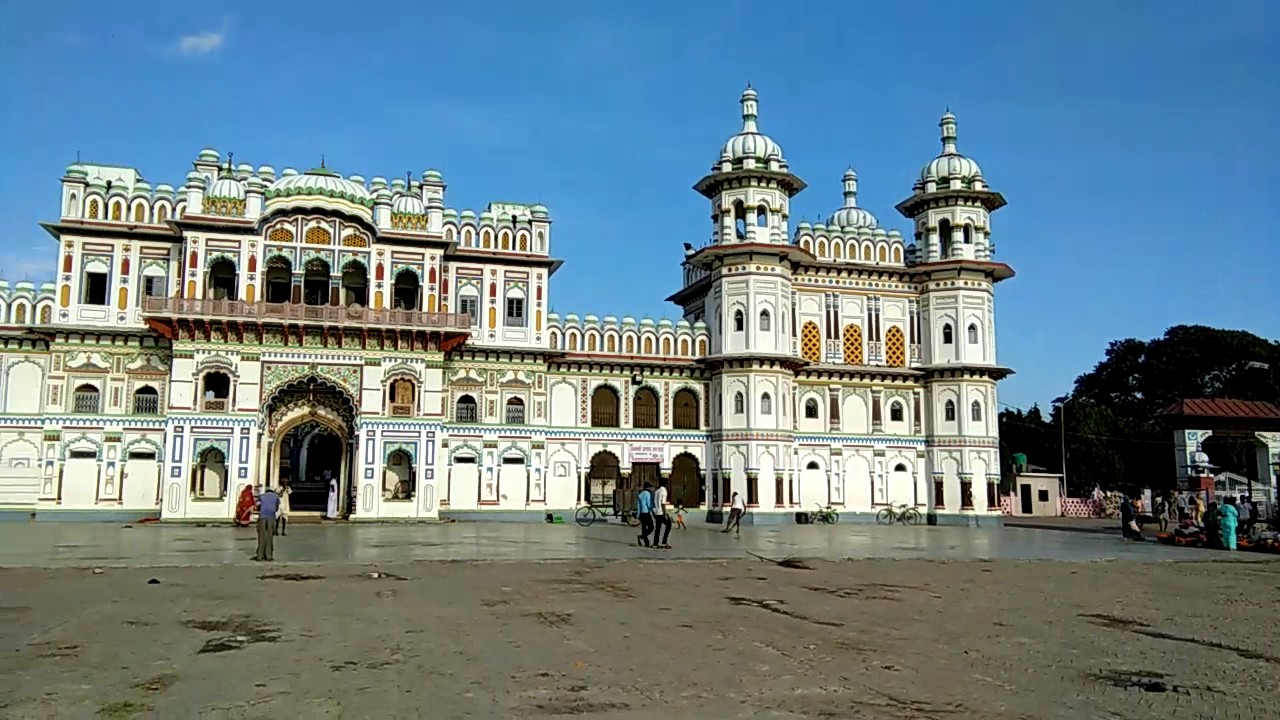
{"points": [[265, 313]]}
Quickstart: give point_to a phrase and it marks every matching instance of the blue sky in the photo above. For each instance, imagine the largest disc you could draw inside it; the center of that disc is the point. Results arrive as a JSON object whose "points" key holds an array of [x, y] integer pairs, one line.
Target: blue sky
{"points": [[1135, 141]]}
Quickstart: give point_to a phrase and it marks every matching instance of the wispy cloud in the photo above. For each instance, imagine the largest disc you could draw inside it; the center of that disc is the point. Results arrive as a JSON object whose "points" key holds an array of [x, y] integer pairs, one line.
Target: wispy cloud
{"points": [[203, 43]]}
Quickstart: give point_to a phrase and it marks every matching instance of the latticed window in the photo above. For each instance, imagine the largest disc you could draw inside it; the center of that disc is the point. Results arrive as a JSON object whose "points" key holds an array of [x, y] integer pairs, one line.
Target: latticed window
{"points": [[515, 411], [852, 344], [86, 399], [317, 236], [146, 401], [465, 410], [281, 235], [811, 342], [645, 409], [93, 210], [604, 407], [685, 416], [895, 347]]}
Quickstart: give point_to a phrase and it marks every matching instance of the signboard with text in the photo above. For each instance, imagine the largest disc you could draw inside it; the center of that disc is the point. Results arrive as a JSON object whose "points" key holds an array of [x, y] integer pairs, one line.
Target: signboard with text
{"points": [[645, 454]]}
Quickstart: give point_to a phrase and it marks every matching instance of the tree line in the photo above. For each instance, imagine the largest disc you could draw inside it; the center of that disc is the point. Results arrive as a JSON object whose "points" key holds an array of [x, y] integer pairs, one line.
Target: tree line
{"points": [[1113, 436]]}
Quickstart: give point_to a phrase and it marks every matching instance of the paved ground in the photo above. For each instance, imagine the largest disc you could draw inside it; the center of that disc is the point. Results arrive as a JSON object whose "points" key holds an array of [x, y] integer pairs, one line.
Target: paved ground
{"points": [[104, 545], [362, 630]]}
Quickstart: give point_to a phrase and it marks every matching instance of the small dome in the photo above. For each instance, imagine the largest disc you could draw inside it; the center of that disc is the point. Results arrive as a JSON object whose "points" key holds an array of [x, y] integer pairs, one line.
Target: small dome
{"points": [[408, 204], [665, 324], [142, 187], [24, 285], [48, 287], [266, 172], [683, 324], [4, 284], [538, 210], [804, 225], [950, 163], [646, 322], [77, 170], [288, 172], [377, 182], [850, 215], [486, 215], [628, 321], [244, 170], [226, 187], [399, 185], [451, 213], [468, 214], [209, 155], [553, 318], [432, 176], [571, 319], [750, 142], [382, 196], [164, 189], [700, 326], [610, 320], [591, 320], [97, 183]]}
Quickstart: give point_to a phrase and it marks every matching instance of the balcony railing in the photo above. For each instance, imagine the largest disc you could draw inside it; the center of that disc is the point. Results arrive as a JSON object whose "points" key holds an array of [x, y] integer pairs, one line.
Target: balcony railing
{"points": [[214, 404], [401, 410], [297, 313]]}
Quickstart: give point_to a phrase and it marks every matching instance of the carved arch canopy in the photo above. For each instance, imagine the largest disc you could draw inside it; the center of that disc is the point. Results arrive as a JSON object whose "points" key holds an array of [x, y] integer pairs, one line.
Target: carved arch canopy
{"points": [[314, 395]]}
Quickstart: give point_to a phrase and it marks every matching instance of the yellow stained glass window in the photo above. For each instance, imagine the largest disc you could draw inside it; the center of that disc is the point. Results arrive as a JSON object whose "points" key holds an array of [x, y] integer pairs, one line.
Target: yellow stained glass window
{"points": [[852, 344], [895, 348], [317, 236], [811, 342]]}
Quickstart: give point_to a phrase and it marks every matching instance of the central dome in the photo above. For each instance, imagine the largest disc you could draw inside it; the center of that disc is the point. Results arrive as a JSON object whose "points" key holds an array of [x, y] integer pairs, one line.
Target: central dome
{"points": [[321, 182], [950, 164], [750, 142], [850, 215]]}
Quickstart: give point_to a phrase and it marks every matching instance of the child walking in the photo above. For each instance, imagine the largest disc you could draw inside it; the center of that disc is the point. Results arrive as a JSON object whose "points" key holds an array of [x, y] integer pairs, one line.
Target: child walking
{"points": [[680, 515]]}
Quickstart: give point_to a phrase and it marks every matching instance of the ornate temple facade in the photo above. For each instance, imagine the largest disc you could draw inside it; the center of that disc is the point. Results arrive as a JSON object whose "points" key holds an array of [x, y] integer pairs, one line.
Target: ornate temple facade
{"points": [[255, 327]]}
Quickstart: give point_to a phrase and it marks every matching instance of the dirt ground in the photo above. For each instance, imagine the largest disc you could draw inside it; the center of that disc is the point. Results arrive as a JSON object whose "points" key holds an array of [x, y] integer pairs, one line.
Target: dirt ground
{"points": [[645, 639]]}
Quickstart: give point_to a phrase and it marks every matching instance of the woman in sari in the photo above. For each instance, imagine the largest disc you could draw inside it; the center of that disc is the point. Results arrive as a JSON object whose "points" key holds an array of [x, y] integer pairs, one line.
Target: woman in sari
{"points": [[1228, 523], [244, 506]]}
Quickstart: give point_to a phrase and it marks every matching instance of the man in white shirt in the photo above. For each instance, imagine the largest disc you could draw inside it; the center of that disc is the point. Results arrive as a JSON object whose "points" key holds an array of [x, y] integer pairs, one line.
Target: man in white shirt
{"points": [[661, 521], [737, 508]]}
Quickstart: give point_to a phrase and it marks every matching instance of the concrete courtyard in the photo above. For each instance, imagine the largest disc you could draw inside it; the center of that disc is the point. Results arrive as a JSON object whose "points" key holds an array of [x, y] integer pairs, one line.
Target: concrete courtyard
{"points": [[367, 622]]}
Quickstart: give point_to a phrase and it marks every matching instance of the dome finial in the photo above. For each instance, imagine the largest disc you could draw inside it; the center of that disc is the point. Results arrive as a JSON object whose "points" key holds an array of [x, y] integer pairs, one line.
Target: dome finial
{"points": [[321, 161], [948, 125], [750, 110], [850, 188]]}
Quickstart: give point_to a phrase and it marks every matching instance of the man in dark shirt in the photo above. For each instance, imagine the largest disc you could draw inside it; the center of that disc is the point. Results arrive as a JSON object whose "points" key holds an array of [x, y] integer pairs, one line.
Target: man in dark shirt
{"points": [[268, 506]]}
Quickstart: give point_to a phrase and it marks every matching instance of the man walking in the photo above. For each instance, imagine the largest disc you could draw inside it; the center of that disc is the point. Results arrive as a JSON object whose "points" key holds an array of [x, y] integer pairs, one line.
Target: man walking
{"points": [[268, 507], [662, 523], [644, 511]]}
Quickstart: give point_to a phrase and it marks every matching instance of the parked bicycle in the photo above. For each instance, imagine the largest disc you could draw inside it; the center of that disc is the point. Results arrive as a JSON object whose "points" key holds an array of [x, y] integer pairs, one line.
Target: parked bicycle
{"points": [[825, 515], [904, 513], [588, 515]]}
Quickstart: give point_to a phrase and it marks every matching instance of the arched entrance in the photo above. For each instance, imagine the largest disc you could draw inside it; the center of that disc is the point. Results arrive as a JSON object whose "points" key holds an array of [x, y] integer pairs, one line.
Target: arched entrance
{"points": [[686, 481], [603, 479], [310, 424]]}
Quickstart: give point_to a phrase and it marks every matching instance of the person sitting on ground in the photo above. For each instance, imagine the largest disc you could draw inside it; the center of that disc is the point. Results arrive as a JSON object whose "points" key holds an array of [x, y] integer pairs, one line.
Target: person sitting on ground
{"points": [[244, 506]]}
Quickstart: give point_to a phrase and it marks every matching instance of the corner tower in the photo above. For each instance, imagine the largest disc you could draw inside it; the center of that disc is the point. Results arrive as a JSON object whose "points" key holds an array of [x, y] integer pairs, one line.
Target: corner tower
{"points": [[741, 282], [951, 207]]}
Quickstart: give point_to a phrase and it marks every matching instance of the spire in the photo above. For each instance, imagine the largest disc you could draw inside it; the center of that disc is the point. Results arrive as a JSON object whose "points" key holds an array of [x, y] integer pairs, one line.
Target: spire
{"points": [[750, 110], [948, 125], [850, 188], [321, 161], [228, 170]]}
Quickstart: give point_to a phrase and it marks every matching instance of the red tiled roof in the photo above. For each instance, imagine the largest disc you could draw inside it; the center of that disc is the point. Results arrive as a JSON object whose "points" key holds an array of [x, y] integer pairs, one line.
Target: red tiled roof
{"points": [[1230, 409]]}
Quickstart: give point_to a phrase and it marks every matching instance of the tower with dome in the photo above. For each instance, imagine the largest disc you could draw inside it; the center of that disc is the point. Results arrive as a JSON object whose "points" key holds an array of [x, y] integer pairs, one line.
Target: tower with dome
{"points": [[313, 328]]}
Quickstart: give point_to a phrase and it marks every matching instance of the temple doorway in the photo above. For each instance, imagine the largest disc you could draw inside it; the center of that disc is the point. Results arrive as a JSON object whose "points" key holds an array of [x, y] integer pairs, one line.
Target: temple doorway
{"points": [[308, 440], [311, 455], [686, 481]]}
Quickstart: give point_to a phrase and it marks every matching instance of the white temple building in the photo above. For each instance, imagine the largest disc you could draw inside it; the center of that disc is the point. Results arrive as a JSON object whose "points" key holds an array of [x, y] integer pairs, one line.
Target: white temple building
{"points": [[249, 326]]}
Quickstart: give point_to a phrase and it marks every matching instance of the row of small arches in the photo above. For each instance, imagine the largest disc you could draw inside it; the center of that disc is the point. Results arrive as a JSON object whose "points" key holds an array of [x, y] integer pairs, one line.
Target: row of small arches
{"points": [[879, 252], [86, 399], [648, 343], [948, 335], [22, 313], [605, 406], [505, 240], [117, 209]]}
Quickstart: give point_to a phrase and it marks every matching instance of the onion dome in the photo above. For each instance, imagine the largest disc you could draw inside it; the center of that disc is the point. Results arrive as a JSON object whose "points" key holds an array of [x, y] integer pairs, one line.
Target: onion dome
{"points": [[209, 155], [610, 319], [591, 319], [750, 142], [646, 322], [850, 215], [432, 176], [665, 324], [377, 182], [553, 318], [571, 319], [628, 321], [486, 216], [950, 164], [700, 326], [97, 183], [141, 188], [468, 215], [683, 325], [243, 171], [77, 170], [539, 211], [267, 173], [164, 190]]}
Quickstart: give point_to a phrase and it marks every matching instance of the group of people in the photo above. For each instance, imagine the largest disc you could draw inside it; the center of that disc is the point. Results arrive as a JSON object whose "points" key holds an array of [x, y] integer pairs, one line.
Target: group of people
{"points": [[655, 515], [1220, 525], [273, 515]]}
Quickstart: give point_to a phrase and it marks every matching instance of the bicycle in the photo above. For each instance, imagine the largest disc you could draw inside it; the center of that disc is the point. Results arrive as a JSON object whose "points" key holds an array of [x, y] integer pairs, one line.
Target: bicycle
{"points": [[825, 516], [588, 515], [904, 513]]}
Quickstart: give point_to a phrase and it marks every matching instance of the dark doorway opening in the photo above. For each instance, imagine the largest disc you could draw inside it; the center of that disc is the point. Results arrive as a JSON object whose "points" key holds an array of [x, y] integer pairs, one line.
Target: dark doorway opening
{"points": [[310, 456]]}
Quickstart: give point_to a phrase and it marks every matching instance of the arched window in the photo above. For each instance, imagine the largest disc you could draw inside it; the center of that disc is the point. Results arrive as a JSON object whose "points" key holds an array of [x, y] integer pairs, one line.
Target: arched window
{"points": [[146, 401], [949, 411], [947, 334], [685, 416], [739, 321], [762, 217], [465, 410], [315, 282], [611, 343], [140, 213], [811, 409], [967, 234], [86, 400], [117, 211], [895, 412], [20, 314], [222, 280], [740, 220], [944, 238], [631, 345], [400, 398], [764, 321], [355, 284], [591, 342], [739, 404], [766, 404], [46, 315], [644, 408], [973, 334], [811, 342], [73, 206], [604, 407], [162, 214], [279, 280], [404, 294], [975, 411], [215, 391], [92, 214], [515, 411], [555, 341]]}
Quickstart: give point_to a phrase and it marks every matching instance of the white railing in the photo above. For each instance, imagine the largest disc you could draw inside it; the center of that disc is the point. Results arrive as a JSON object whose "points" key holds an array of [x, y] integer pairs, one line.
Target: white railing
{"points": [[291, 312]]}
